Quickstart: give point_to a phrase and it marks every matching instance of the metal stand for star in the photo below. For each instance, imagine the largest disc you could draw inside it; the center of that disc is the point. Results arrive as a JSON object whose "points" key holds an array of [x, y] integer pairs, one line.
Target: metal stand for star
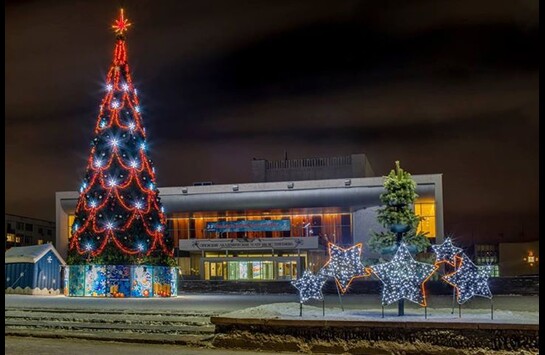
{"points": [[323, 307], [340, 298], [300, 309], [491, 309]]}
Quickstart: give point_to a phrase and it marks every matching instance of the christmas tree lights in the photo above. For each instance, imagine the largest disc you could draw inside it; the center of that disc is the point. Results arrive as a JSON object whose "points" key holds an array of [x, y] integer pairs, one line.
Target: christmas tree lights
{"points": [[344, 265], [469, 280], [309, 286], [119, 212], [403, 278], [446, 252]]}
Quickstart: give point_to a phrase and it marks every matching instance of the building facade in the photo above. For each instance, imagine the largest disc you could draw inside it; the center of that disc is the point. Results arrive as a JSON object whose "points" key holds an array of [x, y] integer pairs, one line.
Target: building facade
{"points": [[349, 166], [271, 230], [25, 231]]}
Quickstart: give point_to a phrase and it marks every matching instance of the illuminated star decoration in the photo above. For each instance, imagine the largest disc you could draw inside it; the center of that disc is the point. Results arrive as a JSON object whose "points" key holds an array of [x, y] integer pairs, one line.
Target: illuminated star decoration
{"points": [[446, 252], [309, 286], [344, 265], [121, 25], [469, 279], [403, 277]]}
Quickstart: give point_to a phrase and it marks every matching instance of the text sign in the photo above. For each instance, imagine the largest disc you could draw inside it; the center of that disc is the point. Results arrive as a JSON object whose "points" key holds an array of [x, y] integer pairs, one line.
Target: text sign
{"points": [[249, 226], [249, 244]]}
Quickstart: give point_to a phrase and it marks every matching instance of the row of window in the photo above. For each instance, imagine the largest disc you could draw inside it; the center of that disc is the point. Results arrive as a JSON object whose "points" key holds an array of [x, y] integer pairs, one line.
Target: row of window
{"points": [[27, 227]]}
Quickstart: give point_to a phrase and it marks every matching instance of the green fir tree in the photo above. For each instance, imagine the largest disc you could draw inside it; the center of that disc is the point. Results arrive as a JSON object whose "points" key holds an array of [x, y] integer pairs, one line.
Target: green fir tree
{"points": [[398, 201]]}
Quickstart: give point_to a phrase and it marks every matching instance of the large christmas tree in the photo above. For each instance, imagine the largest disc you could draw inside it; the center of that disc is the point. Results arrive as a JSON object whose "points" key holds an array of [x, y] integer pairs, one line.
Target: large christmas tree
{"points": [[119, 219]]}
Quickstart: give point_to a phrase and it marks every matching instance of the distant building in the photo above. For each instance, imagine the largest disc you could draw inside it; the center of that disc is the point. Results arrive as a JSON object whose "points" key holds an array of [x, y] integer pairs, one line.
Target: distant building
{"points": [[519, 259], [350, 166], [24, 231], [487, 254]]}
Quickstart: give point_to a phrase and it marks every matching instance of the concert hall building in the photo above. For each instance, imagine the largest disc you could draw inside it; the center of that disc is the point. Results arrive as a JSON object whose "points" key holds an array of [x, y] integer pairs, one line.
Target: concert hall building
{"points": [[278, 225]]}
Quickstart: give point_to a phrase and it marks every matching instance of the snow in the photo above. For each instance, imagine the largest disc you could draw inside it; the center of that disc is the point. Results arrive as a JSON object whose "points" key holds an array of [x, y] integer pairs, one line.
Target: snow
{"points": [[290, 311]]}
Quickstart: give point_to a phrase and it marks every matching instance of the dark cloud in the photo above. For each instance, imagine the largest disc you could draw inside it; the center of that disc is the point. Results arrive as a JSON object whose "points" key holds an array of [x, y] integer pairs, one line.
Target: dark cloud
{"points": [[446, 87]]}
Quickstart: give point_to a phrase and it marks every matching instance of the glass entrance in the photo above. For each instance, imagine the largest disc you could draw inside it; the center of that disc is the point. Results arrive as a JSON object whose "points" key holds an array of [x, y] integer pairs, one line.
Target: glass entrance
{"points": [[245, 269]]}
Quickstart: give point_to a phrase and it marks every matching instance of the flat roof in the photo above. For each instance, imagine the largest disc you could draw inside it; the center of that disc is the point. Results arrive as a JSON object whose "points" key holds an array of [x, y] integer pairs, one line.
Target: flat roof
{"points": [[350, 192]]}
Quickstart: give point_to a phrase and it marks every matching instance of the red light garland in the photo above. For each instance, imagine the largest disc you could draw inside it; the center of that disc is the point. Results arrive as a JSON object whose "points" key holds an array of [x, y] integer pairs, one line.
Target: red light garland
{"points": [[118, 80]]}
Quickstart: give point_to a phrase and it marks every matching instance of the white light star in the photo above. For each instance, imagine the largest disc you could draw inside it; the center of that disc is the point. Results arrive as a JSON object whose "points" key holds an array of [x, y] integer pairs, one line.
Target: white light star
{"points": [[344, 265], [446, 252], [109, 87], [309, 286], [469, 279], [403, 277], [115, 104], [125, 87]]}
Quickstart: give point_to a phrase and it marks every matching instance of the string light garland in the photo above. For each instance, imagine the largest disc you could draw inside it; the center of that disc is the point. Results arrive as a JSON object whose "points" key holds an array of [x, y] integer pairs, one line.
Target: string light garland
{"points": [[403, 277], [469, 280], [344, 265], [309, 286], [446, 252], [119, 204]]}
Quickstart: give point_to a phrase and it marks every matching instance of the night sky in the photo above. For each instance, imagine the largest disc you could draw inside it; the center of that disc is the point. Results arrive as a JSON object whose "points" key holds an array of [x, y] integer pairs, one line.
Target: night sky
{"points": [[445, 87]]}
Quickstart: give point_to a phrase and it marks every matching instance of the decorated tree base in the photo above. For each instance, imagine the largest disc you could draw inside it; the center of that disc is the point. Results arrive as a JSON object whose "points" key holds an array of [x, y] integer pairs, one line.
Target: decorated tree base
{"points": [[120, 281]]}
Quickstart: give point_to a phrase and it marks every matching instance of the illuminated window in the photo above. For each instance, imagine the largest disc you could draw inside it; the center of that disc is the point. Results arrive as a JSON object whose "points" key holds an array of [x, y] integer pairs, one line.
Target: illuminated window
{"points": [[40, 241], [425, 208], [71, 219], [10, 237]]}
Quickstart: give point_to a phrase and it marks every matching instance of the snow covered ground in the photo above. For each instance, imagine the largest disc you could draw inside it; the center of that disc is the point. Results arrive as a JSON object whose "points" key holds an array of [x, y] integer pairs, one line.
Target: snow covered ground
{"points": [[357, 306], [291, 311]]}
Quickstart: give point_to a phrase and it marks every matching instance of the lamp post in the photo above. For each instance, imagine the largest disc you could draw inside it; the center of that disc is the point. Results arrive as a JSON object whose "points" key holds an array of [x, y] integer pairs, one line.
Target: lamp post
{"points": [[399, 230]]}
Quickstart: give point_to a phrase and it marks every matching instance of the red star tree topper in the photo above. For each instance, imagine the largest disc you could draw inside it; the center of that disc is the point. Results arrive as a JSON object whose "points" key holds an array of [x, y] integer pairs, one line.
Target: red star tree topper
{"points": [[119, 218]]}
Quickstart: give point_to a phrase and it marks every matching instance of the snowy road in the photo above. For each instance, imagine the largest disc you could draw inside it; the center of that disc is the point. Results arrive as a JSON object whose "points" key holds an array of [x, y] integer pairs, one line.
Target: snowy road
{"points": [[222, 303]]}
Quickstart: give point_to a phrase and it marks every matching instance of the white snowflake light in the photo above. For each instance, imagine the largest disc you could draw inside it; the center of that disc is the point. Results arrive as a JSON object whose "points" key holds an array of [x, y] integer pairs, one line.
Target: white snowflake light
{"points": [[138, 205], [136, 108], [141, 247], [446, 252], [125, 87], [88, 247], [132, 126], [159, 228], [344, 265], [309, 286], [115, 104], [469, 279], [109, 87], [93, 203], [114, 142], [109, 226], [112, 182], [403, 278], [134, 163], [98, 163], [143, 146]]}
